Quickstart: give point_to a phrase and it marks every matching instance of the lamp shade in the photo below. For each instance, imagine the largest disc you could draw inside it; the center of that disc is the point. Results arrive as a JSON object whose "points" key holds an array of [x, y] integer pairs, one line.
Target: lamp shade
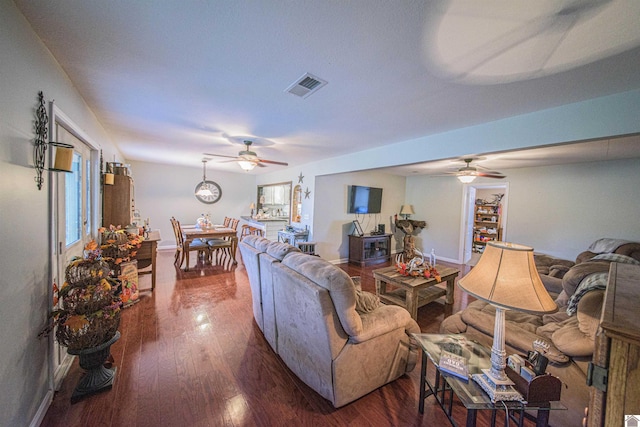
{"points": [[406, 210], [64, 159], [109, 178], [252, 205], [506, 276]]}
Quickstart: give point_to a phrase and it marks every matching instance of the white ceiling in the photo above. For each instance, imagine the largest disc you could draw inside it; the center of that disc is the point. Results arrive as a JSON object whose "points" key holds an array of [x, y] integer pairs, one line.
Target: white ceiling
{"points": [[170, 80]]}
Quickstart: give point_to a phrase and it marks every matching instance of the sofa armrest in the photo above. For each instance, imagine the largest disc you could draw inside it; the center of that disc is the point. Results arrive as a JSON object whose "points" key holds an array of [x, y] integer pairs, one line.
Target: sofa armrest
{"points": [[558, 270], [551, 284], [382, 320]]}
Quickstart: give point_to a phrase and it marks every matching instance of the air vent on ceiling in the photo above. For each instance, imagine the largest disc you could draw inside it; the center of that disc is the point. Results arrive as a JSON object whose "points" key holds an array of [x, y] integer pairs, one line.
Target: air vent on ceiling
{"points": [[306, 85]]}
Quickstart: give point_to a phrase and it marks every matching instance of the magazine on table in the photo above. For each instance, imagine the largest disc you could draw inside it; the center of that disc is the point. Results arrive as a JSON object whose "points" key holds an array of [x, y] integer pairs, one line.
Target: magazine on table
{"points": [[454, 364]]}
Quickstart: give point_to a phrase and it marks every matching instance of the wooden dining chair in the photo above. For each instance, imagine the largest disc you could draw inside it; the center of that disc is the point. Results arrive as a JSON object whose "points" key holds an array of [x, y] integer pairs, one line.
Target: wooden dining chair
{"points": [[202, 248], [223, 245], [179, 255]]}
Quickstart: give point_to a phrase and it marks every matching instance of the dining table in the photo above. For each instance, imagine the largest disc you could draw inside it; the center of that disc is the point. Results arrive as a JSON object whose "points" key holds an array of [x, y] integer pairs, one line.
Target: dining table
{"points": [[193, 232]]}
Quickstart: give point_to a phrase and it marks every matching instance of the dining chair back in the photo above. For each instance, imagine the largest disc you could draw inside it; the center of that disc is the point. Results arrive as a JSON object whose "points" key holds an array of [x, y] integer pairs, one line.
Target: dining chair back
{"points": [[201, 247]]}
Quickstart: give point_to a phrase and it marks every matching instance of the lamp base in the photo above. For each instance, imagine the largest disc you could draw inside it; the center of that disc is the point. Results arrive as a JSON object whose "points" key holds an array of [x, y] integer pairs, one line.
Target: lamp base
{"points": [[497, 389]]}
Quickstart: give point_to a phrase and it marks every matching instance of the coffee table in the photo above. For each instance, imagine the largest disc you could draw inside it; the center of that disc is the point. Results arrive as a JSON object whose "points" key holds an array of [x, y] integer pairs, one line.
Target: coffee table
{"points": [[413, 292], [470, 394]]}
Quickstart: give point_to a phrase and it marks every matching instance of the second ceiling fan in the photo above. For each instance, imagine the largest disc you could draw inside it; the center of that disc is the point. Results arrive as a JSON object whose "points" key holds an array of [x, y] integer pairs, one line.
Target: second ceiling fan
{"points": [[248, 159], [469, 173]]}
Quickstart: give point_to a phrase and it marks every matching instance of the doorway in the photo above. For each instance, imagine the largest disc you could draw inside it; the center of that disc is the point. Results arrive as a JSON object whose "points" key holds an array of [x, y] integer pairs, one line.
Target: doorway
{"points": [[480, 198], [74, 207]]}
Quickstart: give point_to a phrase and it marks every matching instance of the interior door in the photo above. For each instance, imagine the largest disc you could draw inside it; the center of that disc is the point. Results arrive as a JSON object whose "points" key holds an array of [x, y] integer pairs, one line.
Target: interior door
{"points": [[74, 216]]}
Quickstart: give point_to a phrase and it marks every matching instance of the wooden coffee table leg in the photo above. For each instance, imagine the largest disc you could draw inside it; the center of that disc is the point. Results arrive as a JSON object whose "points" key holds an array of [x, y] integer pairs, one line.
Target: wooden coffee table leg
{"points": [[412, 302], [450, 285], [381, 287]]}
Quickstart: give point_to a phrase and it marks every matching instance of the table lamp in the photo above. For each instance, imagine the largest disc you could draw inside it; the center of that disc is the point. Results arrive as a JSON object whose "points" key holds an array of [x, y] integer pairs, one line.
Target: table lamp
{"points": [[506, 277], [252, 206], [406, 211]]}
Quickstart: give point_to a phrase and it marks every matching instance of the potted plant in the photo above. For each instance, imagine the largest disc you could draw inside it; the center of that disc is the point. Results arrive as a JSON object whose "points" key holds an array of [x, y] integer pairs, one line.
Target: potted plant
{"points": [[86, 320]]}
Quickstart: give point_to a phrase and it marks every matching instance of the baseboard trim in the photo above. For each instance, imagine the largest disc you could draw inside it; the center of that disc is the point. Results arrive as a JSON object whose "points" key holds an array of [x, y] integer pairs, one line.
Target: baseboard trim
{"points": [[42, 409]]}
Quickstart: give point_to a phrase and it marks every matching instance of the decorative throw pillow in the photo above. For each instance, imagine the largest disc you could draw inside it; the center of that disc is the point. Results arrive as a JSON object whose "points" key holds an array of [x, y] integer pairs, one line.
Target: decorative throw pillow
{"points": [[366, 301]]}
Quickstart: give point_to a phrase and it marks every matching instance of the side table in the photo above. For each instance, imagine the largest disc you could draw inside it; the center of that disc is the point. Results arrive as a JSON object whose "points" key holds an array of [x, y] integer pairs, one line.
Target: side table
{"points": [[292, 237], [468, 391]]}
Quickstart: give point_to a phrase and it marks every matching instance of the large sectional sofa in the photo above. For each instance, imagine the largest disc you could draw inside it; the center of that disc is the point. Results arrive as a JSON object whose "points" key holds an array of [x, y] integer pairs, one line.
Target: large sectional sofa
{"points": [[579, 290], [338, 340]]}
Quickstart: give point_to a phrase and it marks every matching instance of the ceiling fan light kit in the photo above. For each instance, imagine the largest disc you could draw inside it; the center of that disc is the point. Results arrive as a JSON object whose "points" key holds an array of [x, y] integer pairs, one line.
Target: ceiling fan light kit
{"points": [[468, 173], [466, 179], [246, 165], [248, 159]]}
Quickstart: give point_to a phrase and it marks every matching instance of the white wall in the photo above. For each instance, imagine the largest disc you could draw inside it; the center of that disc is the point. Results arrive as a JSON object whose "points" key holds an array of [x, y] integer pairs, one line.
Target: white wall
{"points": [[332, 224], [26, 67], [558, 210], [163, 191]]}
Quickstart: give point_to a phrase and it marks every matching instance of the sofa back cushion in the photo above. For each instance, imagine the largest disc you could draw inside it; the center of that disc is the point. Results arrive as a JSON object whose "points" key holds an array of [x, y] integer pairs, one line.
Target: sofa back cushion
{"points": [[250, 258], [258, 242], [336, 281], [309, 333], [273, 253]]}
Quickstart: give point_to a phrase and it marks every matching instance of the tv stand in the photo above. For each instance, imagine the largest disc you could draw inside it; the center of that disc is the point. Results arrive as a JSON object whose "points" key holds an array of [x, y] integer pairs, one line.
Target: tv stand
{"points": [[369, 249]]}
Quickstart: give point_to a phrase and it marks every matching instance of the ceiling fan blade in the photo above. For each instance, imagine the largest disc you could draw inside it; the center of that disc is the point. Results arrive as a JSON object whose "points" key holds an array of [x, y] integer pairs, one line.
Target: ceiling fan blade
{"points": [[273, 162], [491, 175], [219, 155]]}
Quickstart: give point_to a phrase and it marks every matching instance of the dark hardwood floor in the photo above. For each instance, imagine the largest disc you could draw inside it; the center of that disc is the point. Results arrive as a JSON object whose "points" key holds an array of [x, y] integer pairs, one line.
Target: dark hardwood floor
{"points": [[191, 354]]}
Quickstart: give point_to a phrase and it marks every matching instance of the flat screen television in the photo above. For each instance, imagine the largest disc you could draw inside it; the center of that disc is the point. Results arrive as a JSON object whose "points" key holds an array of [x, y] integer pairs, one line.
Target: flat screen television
{"points": [[364, 200]]}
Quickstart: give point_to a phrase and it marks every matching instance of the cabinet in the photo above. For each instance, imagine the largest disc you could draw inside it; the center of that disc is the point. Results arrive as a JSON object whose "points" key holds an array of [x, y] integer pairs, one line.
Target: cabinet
{"points": [[367, 250], [615, 372], [486, 225], [118, 202]]}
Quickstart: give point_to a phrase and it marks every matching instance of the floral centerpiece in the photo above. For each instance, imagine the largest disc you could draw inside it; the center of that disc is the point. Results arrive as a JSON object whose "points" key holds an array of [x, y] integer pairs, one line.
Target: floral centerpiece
{"points": [[417, 267]]}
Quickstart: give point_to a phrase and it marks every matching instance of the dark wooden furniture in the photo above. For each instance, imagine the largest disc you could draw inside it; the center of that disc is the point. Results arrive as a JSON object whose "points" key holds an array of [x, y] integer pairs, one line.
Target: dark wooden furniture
{"points": [[369, 249], [413, 292], [118, 202], [615, 370], [146, 257]]}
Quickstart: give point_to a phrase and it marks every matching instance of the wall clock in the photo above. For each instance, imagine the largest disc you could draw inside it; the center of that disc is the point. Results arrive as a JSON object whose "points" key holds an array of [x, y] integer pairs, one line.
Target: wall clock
{"points": [[208, 192]]}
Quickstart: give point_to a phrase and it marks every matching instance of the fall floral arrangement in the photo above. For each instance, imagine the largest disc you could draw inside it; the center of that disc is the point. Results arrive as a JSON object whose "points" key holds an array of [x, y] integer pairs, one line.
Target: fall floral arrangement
{"points": [[90, 311], [119, 247], [417, 267]]}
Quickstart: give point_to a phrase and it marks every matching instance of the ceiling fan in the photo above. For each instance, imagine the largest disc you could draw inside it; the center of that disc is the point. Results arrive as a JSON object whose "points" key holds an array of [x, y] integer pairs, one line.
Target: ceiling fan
{"points": [[248, 159], [469, 173]]}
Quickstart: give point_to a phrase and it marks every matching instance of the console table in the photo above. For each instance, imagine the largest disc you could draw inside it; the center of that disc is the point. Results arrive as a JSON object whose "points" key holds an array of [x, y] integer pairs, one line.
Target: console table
{"points": [[470, 394]]}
